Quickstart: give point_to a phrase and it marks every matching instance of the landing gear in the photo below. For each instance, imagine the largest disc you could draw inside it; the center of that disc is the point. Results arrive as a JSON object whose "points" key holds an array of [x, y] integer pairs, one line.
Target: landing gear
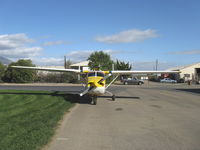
{"points": [[113, 97], [94, 100]]}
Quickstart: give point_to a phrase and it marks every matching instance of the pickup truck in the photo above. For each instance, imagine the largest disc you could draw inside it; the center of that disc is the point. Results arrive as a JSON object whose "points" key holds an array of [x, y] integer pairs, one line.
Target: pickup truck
{"points": [[133, 80]]}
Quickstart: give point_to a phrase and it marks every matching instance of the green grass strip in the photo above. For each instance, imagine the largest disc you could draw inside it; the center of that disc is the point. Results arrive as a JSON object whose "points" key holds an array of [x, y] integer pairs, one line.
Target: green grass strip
{"points": [[28, 119]]}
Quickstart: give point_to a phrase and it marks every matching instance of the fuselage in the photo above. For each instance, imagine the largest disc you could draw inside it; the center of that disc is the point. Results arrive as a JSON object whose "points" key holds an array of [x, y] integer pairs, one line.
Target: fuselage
{"points": [[96, 83]]}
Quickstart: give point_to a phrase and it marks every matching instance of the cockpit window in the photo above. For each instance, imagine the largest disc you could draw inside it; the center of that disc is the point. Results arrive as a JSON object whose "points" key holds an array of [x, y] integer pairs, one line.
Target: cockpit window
{"points": [[90, 74], [100, 74]]}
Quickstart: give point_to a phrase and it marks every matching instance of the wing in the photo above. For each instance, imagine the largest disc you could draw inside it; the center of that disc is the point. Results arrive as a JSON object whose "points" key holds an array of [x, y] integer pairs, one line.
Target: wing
{"points": [[141, 72], [47, 69]]}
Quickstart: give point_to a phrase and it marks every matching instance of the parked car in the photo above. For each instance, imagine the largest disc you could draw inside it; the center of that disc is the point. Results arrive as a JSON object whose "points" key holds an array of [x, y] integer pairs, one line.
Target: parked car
{"points": [[168, 80], [133, 80]]}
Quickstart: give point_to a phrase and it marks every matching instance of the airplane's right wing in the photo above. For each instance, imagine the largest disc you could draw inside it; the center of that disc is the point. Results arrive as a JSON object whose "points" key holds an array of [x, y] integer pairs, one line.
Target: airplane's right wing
{"points": [[47, 69], [141, 72]]}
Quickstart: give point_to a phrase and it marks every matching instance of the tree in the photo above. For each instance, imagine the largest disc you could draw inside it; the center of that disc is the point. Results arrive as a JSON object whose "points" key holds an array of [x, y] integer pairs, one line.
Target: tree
{"points": [[66, 77], [2, 71], [100, 59], [67, 63], [20, 75], [121, 65]]}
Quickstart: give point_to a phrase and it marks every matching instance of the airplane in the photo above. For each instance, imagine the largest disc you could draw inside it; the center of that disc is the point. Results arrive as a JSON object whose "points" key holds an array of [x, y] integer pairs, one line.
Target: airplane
{"points": [[96, 79]]}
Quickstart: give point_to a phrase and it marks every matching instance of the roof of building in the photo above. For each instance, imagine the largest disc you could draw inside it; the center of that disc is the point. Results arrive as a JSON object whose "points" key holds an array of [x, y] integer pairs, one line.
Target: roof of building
{"points": [[83, 63], [182, 67]]}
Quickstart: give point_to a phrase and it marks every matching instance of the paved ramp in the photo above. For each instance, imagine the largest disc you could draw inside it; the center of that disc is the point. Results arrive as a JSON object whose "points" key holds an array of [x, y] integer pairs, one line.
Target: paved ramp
{"points": [[142, 119]]}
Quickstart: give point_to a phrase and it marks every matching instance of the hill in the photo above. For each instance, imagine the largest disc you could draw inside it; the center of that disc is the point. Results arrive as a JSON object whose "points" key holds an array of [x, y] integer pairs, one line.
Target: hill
{"points": [[4, 60]]}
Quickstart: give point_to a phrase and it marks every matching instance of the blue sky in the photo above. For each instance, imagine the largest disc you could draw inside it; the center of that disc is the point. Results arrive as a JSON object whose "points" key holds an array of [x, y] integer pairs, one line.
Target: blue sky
{"points": [[138, 31]]}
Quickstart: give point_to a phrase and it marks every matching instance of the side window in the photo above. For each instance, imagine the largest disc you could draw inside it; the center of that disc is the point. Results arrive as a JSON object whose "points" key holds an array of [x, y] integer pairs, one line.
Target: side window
{"points": [[90, 74]]}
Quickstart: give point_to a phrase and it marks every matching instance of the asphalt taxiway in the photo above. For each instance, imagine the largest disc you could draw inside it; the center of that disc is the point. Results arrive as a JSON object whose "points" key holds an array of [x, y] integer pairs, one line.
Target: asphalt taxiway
{"points": [[147, 117]]}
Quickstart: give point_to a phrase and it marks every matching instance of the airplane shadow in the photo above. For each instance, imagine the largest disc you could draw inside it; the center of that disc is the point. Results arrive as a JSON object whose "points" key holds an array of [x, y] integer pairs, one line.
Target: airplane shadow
{"points": [[70, 97], [118, 97], [197, 91]]}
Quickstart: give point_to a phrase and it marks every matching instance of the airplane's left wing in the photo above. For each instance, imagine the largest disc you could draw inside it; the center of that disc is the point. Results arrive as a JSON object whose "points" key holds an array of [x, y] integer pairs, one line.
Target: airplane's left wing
{"points": [[141, 72], [47, 69]]}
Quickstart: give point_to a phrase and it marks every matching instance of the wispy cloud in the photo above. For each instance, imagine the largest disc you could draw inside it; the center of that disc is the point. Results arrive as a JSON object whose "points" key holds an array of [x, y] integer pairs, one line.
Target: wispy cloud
{"points": [[82, 55], [21, 52], [48, 61], [52, 43], [186, 52], [15, 46], [128, 36], [45, 37]]}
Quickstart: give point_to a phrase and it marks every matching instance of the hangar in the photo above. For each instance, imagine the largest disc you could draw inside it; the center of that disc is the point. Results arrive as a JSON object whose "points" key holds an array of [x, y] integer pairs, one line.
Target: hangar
{"points": [[189, 72]]}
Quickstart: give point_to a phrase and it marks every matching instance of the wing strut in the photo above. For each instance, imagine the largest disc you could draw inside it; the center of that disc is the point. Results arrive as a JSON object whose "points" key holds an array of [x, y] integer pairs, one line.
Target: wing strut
{"points": [[86, 91], [112, 81]]}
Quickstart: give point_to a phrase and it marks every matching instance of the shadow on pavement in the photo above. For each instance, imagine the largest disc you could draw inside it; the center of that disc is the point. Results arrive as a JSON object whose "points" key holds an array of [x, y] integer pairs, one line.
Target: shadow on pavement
{"points": [[71, 97], [190, 90], [128, 97]]}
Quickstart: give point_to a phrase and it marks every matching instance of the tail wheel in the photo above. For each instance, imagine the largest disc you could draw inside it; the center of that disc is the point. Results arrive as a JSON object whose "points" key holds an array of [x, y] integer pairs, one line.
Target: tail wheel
{"points": [[113, 97]]}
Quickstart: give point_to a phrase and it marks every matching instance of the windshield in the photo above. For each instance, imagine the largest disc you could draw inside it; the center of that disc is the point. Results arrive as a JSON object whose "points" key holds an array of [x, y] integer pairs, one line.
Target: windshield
{"points": [[100, 74]]}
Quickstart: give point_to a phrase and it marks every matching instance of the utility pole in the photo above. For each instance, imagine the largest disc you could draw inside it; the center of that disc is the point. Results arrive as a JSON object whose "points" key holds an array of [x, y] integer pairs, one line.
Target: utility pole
{"points": [[156, 64], [156, 68], [113, 66], [65, 62]]}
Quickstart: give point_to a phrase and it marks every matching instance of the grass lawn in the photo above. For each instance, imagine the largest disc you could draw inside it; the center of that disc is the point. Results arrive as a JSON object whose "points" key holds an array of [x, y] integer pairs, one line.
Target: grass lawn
{"points": [[28, 119]]}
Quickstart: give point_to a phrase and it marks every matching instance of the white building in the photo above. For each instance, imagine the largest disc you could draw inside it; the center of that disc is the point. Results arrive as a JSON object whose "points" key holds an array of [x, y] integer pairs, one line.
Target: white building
{"points": [[189, 72], [81, 65]]}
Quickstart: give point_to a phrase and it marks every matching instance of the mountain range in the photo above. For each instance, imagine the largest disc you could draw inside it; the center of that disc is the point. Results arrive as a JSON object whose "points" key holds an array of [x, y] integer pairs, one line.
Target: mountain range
{"points": [[5, 60]]}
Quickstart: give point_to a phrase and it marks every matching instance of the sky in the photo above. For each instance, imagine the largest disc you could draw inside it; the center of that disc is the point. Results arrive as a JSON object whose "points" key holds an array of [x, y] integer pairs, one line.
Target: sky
{"points": [[134, 31]]}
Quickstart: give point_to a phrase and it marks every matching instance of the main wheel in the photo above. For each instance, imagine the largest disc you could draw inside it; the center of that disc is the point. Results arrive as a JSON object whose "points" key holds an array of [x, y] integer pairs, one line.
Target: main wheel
{"points": [[113, 97], [94, 100], [125, 83]]}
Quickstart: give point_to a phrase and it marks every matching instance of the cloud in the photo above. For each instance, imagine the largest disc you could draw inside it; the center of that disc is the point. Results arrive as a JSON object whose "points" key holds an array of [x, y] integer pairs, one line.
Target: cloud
{"points": [[186, 52], [21, 52], [52, 43], [78, 56], [51, 61], [128, 36], [13, 40], [15, 46]]}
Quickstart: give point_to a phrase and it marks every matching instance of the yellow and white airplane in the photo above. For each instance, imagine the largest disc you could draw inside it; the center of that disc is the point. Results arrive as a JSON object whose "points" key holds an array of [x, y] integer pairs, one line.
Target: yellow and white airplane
{"points": [[96, 80]]}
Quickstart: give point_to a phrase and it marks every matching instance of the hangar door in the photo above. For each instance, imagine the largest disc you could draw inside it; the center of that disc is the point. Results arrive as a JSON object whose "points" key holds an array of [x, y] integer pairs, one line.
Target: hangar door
{"points": [[197, 76]]}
